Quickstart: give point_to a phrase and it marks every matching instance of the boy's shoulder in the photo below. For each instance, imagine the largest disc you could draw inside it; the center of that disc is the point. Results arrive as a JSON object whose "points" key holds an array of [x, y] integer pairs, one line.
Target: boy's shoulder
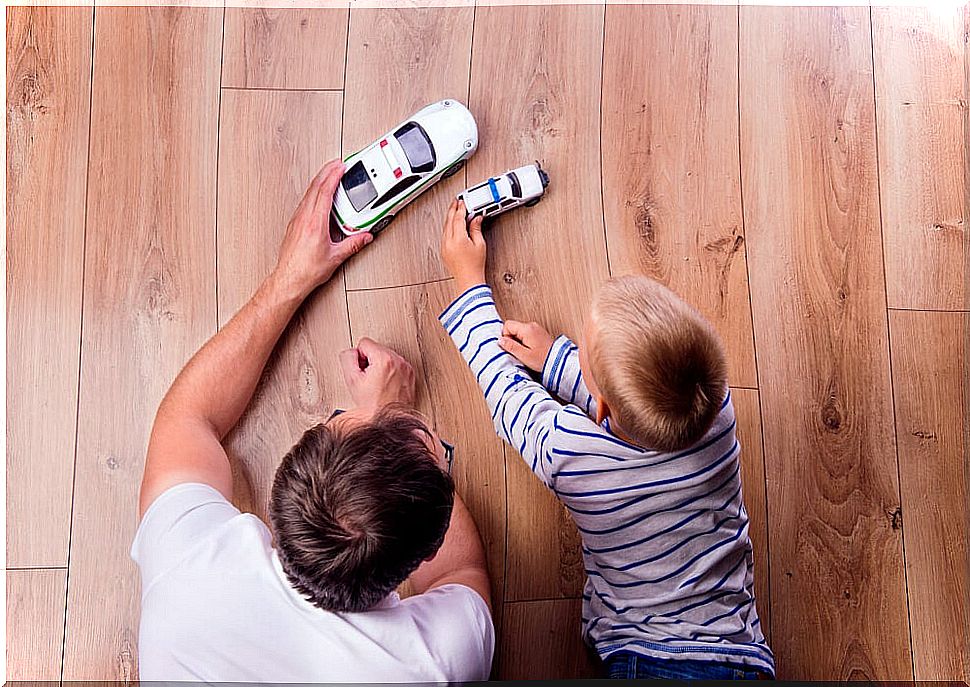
{"points": [[578, 446]]}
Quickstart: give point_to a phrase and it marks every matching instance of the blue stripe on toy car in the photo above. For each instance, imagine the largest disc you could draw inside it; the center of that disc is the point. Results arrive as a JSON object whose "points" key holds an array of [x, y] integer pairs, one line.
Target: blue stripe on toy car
{"points": [[495, 195]]}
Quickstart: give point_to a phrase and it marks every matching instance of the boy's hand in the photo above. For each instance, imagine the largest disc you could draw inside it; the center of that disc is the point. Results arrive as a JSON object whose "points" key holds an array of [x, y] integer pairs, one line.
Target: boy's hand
{"points": [[307, 255], [463, 247], [527, 341], [377, 376]]}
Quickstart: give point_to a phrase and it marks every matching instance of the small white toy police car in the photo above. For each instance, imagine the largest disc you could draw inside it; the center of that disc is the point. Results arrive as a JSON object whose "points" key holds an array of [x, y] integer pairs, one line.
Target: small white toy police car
{"points": [[522, 186], [393, 170]]}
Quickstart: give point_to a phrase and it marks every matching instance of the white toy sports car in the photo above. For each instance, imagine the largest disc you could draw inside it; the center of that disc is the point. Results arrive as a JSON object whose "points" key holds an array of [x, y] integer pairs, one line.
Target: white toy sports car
{"points": [[522, 186], [393, 170]]}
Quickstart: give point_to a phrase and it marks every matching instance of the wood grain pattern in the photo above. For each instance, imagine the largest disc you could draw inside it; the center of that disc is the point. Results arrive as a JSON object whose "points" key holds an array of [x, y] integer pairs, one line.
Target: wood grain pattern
{"points": [[542, 642], [931, 366], [149, 295], [918, 55], [544, 262], [812, 227], [406, 320], [48, 95], [399, 60], [284, 48], [748, 412], [671, 179], [271, 144], [35, 623]]}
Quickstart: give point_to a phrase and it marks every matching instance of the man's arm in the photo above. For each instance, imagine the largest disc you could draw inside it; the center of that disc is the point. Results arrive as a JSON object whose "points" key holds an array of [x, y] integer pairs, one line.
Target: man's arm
{"points": [[212, 391], [460, 560]]}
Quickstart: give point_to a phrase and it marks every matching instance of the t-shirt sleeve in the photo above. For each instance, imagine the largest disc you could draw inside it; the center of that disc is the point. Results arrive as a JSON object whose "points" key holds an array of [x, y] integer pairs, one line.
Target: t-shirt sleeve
{"points": [[179, 519], [456, 624]]}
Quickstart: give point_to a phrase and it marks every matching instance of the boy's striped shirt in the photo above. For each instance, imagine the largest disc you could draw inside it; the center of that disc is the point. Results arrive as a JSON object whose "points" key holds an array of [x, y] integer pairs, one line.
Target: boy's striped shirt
{"points": [[665, 535]]}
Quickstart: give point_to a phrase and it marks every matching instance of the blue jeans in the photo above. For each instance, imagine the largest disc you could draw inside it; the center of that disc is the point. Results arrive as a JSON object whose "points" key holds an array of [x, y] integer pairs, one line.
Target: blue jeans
{"points": [[626, 665]]}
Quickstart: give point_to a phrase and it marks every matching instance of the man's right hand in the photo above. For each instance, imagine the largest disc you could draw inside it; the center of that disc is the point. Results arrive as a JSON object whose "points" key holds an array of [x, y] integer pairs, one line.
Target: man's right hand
{"points": [[377, 376]]}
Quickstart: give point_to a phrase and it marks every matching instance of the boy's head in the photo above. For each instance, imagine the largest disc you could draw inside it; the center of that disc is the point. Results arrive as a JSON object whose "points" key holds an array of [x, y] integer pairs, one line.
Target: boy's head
{"points": [[655, 365], [357, 504]]}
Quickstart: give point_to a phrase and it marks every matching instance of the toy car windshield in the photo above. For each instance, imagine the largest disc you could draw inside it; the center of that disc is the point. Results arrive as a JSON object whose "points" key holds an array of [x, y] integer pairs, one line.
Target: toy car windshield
{"points": [[417, 147], [358, 186]]}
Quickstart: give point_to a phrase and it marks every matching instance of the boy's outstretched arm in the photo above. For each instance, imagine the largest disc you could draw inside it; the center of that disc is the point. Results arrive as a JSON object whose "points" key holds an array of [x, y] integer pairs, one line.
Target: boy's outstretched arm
{"points": [[523, 412]]}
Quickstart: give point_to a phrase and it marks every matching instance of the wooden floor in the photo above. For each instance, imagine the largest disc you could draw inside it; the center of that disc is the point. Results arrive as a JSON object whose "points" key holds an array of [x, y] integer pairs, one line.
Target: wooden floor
{"points": [[799, 174]]}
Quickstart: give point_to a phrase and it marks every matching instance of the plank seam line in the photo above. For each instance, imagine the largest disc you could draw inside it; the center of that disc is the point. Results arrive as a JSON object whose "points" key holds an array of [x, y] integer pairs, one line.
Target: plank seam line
{"points": [[398, 286], [468, 90], [958, 311], [754, 343], [606, 238], [222, 57], [80, 343], [889, 345], [547, 598], [32, 568], [343, 113], [274, 89]]}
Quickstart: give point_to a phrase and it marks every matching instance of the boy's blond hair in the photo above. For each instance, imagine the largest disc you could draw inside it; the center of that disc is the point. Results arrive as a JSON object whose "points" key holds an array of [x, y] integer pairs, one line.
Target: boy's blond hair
{"points": [[658, 364]]}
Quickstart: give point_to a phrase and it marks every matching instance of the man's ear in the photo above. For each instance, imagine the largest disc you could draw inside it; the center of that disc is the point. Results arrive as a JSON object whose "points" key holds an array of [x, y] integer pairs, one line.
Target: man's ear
{"points": [[602, 409]]}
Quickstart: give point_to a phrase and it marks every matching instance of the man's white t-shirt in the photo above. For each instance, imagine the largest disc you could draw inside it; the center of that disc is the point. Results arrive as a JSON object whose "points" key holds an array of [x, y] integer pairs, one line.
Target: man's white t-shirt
{"points": [[216, 606]]}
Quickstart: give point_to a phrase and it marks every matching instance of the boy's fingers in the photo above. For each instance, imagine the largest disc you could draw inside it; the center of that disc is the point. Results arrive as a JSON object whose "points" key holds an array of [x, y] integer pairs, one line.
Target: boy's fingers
{"points": [[512, 346], [513, 328], [450, 219], [475, 231]]}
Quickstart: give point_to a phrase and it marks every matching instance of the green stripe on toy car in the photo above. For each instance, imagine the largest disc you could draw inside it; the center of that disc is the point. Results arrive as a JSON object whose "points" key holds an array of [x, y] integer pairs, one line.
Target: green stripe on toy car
{"points": [[401, 201]]}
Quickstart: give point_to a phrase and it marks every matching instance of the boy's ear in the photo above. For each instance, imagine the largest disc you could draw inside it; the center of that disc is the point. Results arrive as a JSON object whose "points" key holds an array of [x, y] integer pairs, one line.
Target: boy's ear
{"points": [[602, 409]]}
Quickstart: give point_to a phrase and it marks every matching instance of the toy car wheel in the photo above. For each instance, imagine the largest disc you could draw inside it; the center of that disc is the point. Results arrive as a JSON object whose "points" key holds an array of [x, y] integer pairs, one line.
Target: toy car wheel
{"points": [[381, 224], [454, 169], [530, 203]]}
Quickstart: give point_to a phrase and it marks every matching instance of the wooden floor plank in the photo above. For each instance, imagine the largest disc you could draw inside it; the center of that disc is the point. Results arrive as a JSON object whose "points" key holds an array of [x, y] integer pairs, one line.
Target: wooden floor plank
{"points": [[747, 408], [48, 98], [544, 262], [812, 226], [284, 48], [542, 642], [149, 295], [671, 178], [35, 623], [931, 365], [399, 60], [406, 320], [271, 143], [921, 110]]}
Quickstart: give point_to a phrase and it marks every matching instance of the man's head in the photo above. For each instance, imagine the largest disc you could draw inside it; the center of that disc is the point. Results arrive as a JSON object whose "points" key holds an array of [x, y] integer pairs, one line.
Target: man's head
{"points": [[655, 365], [357, 504]]}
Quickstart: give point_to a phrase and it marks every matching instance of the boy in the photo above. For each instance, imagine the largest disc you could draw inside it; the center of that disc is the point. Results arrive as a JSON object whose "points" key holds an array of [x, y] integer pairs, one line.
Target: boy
{"points": [[643, 454]]}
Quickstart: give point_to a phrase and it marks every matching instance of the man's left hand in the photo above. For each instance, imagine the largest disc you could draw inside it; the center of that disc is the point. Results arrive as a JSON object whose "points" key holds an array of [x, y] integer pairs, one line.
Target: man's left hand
{"points": [[308, 256]]}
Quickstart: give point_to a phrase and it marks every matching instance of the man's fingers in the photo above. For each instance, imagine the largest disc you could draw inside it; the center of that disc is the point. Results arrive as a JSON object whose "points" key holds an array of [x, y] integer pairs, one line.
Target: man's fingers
{"points": [[327, 186], [351, 245], [349, 363], [313, 188], [372, 350]]}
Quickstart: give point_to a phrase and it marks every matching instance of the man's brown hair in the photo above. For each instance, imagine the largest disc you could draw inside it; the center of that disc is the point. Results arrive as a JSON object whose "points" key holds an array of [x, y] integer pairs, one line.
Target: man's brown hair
{"points": [[658, 363], [355, 512]]}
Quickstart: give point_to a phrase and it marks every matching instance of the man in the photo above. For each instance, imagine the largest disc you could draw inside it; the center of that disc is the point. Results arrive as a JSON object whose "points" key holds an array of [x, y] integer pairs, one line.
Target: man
{"points": [[361, 503]]}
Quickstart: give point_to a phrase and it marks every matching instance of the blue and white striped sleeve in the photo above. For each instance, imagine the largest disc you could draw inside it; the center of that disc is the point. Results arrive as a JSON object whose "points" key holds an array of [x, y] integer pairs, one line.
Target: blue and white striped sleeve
{"points": [[562, 376], [523, 412]]}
